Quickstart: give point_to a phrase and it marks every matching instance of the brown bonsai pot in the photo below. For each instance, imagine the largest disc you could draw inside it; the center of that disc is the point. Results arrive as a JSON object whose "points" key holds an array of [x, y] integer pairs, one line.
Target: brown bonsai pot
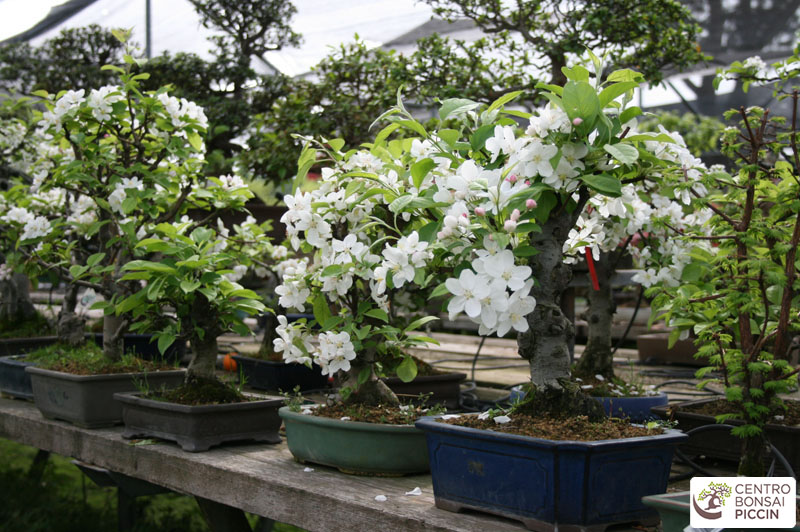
{"points": [[445, 388], [653, 349]]}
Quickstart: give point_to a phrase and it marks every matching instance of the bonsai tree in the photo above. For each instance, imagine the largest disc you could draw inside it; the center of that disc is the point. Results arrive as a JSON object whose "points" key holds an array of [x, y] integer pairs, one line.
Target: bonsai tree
{"points": [[644, 222], [131, 160], [493, 206], [195, 278], [743, 295]]}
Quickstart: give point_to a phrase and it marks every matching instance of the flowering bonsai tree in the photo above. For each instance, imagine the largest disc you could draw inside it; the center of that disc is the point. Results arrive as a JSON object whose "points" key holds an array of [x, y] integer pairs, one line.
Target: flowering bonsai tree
{"points": [[126, 162], [491, 208], [643, 221], [742, 300]]}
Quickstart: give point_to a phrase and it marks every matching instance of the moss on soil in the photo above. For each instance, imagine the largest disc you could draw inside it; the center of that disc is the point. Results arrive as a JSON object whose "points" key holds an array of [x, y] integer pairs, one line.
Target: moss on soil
{"points": [[573, 429], [88, 359], [200, 391], [391, 415], [22, 328], [791, 416]]}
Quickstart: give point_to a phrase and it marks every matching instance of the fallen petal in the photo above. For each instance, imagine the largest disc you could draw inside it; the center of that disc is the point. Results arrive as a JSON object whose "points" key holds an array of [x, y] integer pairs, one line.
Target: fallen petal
{"points": [[502, 419], [380, 498], [308, 470], [415, 491]]}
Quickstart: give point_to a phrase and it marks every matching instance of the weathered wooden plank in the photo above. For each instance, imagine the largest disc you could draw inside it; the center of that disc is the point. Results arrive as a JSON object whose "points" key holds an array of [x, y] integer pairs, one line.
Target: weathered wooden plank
{"points": [[260, 479]]}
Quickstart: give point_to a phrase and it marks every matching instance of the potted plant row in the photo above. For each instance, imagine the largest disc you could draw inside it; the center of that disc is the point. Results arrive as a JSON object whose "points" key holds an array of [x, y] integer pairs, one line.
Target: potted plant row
{"points": [[125, 167]]}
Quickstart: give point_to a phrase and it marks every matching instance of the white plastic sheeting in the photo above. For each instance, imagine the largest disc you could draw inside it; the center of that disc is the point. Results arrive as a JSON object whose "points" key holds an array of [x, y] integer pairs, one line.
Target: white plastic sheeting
{"points": [[175, 26]]}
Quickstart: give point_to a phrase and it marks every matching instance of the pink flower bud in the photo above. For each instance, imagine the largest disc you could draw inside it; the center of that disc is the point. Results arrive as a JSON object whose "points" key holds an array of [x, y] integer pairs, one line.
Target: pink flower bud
{"points": [[577, 121], [440, 235], [515, 215], [530, 203], [480, 211], [512, 178], [464, 215], [510, 225]]}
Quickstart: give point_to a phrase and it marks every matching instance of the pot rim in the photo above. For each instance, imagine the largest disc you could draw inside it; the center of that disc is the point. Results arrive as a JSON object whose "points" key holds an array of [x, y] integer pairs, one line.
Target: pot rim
{"points": [[100, 377], [136, 398], [286, 413], [430, 423]]}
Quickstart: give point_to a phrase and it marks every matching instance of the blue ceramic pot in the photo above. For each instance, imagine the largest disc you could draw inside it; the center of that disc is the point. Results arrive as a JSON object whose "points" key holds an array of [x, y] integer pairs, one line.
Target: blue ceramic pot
{"points": [[634, 409], [548, 485]]}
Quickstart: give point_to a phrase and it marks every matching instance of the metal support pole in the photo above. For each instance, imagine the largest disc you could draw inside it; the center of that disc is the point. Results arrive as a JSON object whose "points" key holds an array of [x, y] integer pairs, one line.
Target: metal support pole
{"points": [[148, 48]]}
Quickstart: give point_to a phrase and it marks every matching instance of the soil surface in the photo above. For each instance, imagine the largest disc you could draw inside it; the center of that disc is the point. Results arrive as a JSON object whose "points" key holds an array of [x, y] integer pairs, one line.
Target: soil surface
{"points": [[575, 429], [715, 408], [88, 359], [391, 415], [200, 391]]}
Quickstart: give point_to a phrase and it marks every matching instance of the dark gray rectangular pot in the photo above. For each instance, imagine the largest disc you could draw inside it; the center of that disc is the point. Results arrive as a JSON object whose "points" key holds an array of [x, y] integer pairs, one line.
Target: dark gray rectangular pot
{"points": [[14, 381], [198, 428], [722, 444], [445, 389], [88, 400], [20, 346]]}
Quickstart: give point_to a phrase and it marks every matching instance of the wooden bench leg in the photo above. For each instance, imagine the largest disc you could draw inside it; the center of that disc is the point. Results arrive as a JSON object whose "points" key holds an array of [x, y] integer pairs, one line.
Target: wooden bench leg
{"points": [[223, 518], [38, 465]]}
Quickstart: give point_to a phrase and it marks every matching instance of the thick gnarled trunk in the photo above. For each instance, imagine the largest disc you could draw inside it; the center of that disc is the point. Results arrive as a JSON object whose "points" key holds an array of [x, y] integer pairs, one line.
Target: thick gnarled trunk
{"points": [[70, 326], [374, 391], [546, 343], [205, 348], [597, 358]]}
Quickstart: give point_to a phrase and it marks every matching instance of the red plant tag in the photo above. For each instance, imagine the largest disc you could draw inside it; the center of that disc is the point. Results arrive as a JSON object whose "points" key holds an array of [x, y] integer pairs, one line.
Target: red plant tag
{"points": [[592, 272]]}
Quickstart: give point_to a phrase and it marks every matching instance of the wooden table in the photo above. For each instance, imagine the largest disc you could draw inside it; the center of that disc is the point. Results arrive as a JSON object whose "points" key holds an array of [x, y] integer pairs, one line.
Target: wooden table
{"points": [[260, 479]]}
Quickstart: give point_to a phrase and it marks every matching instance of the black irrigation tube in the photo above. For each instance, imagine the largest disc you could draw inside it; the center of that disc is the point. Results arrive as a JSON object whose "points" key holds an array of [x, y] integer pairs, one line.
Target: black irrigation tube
{"points": [[777, 456]]}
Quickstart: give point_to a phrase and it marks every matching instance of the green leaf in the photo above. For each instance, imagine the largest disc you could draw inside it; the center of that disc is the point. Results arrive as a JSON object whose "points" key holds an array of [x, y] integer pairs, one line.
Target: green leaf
{"points": [[153, 245], [332, 270], [130, 302], [693, 271], [321, 310], [525, 251], [189, 286], [385, 132], [502, 100], [94, 259], [164, 341], [439, 291], [603, 183], [624, 153], [625, 74], [378, 314], [613, 91], [148, 266], [416, 324], [195, 140], [450, 136], [407, 370], [364, 374], [456, 106], [336, 144], [478, 139], [428, 232], [77, 270], [629, 113], [580, 100], [576, 73], [420, 169], [415, 126]]}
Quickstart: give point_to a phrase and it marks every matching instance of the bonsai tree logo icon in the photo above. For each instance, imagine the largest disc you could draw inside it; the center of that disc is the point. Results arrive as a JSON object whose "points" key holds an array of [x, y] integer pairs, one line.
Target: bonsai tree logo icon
{"points": [[715, 494]]}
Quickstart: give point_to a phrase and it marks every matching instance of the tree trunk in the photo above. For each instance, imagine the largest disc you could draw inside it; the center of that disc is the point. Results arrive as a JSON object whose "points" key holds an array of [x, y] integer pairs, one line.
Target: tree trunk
{"points": [[597, 357], [546, 343], [374, 391], [15, 299], [754, 453], [70, 327], [113, 330], [270, 324], [205, 349], [204, 356]]}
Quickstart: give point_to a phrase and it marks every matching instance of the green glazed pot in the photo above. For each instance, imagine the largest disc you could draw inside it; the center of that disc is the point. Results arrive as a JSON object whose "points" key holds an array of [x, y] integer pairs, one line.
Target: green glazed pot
{"points": [[354, 447]]}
